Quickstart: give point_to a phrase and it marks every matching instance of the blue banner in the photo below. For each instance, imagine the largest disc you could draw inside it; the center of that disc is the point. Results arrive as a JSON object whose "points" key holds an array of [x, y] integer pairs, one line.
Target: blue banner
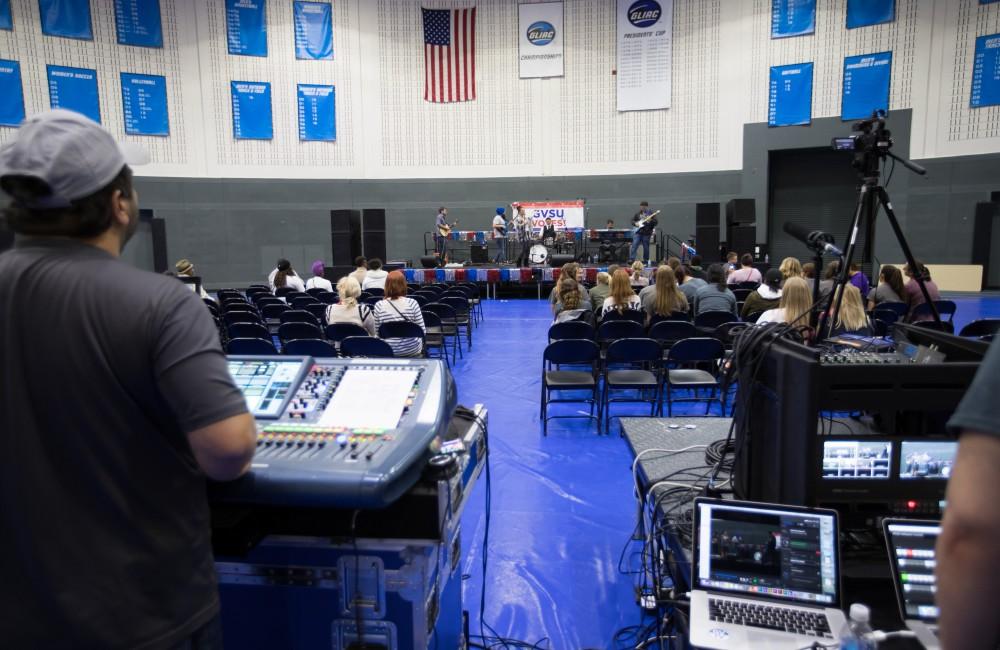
{"points": [[6, 20], [317, 112], [252, 110], [792, 18], [986, 72], [790, 96], [987, 2], [861, 13], [144, 103], [69, 18], [11, 94], [74, 89], [313, 30], [138, 23], [866, 85], [246, 27]]}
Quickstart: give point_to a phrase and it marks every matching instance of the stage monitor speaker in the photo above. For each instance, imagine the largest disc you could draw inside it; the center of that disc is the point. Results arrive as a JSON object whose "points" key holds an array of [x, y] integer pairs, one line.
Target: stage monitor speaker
{"points": [[707, 241], [429, 261], [345, 236], [479, 254], [559, 259], [741, 211], [742, 239], [707, 214]]}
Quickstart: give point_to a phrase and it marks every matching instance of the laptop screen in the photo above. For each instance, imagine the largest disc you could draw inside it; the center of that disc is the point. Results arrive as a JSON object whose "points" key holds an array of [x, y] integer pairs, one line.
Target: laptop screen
{"points": [[767, 551], [911, 550]]}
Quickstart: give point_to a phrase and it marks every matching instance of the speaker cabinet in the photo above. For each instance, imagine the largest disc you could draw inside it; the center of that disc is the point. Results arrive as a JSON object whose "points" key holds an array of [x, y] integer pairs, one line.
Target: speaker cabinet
{"points": [[429, 261], [983, 229], [373, 239], [560, 259], [479, 254], [742, 239], [345, 236], [707, 243], [707, 214], [741, 211]]}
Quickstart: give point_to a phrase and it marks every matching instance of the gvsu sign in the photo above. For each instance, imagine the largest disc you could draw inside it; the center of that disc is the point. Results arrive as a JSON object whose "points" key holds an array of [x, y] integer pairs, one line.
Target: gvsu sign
{"points": [[541, 33], [644, 13], [565, 215]]}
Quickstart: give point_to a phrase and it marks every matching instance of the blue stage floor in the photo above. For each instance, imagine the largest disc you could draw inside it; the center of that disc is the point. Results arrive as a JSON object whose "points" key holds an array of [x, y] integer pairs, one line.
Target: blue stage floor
{"points": [[562, 506]]}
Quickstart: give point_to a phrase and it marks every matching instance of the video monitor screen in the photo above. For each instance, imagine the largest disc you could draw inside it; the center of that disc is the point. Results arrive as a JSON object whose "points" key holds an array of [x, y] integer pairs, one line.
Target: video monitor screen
{"points": [[267, 384], [931, 460], [857, 459]]}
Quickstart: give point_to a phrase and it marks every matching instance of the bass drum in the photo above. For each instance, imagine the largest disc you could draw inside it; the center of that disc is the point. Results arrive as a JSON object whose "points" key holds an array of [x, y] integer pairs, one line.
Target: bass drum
{"points": [[538, 254]]}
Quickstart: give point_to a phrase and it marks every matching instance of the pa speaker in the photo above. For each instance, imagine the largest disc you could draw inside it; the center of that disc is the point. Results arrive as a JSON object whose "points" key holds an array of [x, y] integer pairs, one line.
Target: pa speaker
{"points": [[742, 238], [706, 214], [741, 211], [374, 219], [478, 254], [429, 261], [559, 259], [707, 241]]}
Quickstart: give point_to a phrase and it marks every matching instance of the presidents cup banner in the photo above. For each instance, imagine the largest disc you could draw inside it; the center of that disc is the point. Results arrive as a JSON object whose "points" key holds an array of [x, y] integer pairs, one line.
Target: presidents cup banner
{"points": [[541, 41], [645, 44]]}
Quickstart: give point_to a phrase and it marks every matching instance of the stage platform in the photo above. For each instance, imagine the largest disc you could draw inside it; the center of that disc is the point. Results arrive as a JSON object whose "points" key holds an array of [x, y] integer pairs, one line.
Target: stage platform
{"points": [[493, 276]]}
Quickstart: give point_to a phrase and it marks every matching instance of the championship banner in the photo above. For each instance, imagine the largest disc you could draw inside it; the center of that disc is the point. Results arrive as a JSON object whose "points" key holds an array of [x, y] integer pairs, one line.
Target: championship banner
{"points": [[540, 49], [564, 214], [645, 44]]}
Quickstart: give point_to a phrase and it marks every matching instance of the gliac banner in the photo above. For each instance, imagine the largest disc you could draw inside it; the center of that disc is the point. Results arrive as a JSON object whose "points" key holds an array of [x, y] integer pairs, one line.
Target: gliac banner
{"points": [[645, 53], [541, 40]]}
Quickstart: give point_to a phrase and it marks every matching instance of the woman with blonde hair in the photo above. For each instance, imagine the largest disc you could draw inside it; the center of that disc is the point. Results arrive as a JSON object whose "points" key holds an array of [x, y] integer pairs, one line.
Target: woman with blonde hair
{"points": [[571, 271], [622, 297], [348, 310], [637, 278], [852, 318], [790, 267], [667, 298], [796, 302]]}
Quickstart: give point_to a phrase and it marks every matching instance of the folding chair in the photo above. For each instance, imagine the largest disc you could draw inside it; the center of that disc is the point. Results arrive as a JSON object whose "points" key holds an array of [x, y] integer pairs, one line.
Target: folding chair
{"points": [[281, 292], [449, 325], [707, 321], [946, 308], [403, 329], [570, 352], [982, 328], [573, 329], [318, 310], [328, 297], [298, 316], [681, 316], [298, 330], [666, 333], [263, 300], [233, 317], [690, 353], [274, 312], [634, 315], [642, 359], [309, 348], [463, 317], [248, 331], [433, 337], [250, 346], [365, 346], [901, 309]]}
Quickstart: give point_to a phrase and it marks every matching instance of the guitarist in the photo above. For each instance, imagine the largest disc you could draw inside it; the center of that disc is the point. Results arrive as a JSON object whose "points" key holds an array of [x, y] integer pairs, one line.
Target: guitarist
{"points": [[645, 221], [441, 232]]}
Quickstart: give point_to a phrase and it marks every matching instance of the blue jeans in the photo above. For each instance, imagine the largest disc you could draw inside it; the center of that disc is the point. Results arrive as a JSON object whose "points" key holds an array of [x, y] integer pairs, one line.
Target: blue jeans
{"points": [[440, 245], [638, 239], [501, 249]]}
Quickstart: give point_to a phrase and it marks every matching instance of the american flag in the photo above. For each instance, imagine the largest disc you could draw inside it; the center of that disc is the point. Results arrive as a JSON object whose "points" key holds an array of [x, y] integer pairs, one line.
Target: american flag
{"points": [[449, 55]]}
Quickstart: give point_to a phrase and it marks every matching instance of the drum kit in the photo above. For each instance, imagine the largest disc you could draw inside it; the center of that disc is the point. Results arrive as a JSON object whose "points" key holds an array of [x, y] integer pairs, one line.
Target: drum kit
{"points": [[540, 252]]}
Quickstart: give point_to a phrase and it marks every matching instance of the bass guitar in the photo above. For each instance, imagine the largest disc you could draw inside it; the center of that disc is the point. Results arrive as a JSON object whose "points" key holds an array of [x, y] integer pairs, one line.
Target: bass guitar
{"points": [[639, 225]]}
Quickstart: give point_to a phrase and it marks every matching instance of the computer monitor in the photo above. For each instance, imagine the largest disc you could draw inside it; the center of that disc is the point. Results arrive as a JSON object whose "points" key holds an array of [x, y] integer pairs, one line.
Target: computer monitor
{"points": [[857, 459], [927, 460], [768, 550], [268, 382]]}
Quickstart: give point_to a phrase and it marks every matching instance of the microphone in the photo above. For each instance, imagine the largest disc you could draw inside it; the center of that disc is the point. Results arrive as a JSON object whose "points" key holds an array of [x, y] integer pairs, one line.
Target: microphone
{"points": [[815, 239]]}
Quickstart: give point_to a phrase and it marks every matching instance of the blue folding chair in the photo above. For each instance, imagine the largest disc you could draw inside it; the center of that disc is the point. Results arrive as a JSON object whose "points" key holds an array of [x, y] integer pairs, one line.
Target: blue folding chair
{"points": [[309, 348], [570, 352], [250, 346], [365, 346]]}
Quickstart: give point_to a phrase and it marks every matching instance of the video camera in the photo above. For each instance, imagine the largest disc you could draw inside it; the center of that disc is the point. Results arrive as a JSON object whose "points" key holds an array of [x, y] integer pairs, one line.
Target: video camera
{"points": [[871, 142]]}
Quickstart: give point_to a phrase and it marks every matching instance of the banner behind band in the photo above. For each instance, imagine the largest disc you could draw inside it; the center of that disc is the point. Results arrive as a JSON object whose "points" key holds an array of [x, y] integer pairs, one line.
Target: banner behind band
{"points": [[540, 46], [564, 214], [645, 42]]}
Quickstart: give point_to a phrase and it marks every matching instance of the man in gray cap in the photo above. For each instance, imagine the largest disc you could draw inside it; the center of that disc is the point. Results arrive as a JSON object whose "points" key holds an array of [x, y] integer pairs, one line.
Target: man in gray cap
{"points": [[115, 403]]}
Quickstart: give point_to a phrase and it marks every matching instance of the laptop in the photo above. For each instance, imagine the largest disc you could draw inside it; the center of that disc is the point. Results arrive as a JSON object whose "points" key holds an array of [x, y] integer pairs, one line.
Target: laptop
{"points": [[911, 553], [765, 576]]}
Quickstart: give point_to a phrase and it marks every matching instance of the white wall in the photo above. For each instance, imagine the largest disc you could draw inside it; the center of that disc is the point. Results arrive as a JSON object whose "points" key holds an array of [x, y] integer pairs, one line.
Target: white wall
{"points": [[538, 127]]}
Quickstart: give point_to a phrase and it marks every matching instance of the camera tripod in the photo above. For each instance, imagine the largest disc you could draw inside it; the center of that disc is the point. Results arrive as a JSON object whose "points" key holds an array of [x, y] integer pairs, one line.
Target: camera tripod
{"points": [[873, 148]]}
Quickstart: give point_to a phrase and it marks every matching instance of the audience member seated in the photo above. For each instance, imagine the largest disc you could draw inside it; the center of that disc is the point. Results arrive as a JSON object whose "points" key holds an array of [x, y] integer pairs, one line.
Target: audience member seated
{"points": [[396, 306], [694, 268], [809, 272], [600, 291], [859, 279], [790, 268], [374, 277], [890, 287], [360, 269], [348, 309], [746, 272], [767, 295], [796, 302], [317, 281], [687, 283], [715, 295], [647, 292], [732, 262], [829, 279], [673, 262], [185, 269], [638, 277], [572, 271], [665, 298], [622, 297], [570, 306], [284, 276], [914, 296], [852, 318]]}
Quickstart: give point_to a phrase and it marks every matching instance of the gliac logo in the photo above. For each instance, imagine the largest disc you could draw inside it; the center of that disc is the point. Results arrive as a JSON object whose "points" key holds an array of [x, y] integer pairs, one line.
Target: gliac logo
{"points": [[541, 33], [644, 13]]}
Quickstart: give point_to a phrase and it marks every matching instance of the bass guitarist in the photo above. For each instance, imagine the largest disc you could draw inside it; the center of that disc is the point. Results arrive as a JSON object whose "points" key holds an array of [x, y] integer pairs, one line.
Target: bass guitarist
{"points": [[643, 223]]}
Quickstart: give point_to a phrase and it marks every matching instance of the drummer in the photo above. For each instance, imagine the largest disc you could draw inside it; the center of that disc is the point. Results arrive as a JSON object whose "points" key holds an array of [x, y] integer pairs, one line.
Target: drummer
{"points": [[549, 232]]}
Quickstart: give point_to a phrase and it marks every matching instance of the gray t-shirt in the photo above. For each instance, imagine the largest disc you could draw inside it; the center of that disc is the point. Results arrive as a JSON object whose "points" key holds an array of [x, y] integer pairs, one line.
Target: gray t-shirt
{"points": [[709, 298], [690, 288], [979, 410], [106, 369], [883, 293]]}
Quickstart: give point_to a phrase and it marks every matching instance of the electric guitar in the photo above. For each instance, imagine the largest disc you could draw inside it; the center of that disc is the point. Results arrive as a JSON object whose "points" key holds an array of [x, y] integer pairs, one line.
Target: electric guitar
{"points": [[444, 230], [642, 222]]}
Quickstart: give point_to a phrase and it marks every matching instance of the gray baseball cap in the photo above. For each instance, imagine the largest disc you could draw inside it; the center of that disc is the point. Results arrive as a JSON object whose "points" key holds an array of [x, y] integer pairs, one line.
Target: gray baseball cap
{"points": [[73, 154]]}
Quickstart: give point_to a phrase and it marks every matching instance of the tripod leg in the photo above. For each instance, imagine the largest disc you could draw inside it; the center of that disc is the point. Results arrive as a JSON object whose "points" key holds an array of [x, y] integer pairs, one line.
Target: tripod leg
{"points": [[883, 197], [864, 209]]}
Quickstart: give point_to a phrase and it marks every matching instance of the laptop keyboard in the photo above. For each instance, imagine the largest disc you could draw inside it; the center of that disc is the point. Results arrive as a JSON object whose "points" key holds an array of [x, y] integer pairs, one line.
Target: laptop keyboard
{"points": [[780, 619]]}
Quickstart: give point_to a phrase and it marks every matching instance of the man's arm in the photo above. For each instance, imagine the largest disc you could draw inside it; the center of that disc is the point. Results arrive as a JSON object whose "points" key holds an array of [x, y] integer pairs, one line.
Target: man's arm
{"points": [[224, 449], [968, 561]]}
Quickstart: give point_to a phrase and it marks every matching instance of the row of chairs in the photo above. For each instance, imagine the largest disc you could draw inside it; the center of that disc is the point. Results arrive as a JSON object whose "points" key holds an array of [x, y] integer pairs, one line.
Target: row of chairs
{"points": [[641, 365], [343, 339]]}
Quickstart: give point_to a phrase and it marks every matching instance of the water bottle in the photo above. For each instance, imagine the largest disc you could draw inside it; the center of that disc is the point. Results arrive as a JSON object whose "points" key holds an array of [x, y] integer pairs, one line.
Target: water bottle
{"points": [[767, 258], [857, 633]]}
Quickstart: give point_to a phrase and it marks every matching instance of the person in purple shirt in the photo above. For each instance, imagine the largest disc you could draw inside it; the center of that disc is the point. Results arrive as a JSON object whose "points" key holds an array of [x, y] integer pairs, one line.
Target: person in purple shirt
{"points": [[859, 279]]}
